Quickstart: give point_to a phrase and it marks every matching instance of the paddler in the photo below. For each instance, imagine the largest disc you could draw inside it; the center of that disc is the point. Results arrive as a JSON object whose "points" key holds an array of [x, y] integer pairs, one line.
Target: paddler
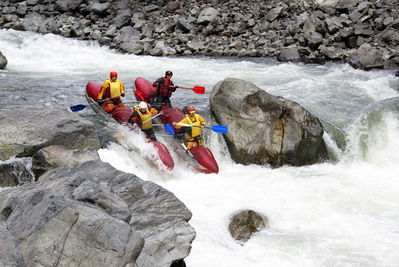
{"points": [[165, 88], [196, 123], [111, 91], [143, 113]]}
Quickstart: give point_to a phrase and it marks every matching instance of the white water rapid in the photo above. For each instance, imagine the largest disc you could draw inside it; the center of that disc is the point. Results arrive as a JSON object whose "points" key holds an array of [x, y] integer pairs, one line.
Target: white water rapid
{"points": [[339, 213]]}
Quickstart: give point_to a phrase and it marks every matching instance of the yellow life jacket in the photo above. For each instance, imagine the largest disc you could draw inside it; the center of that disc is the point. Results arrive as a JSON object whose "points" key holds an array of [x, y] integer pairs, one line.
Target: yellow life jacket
{"points": [[144, 117], [195, 131], [114, 88]]}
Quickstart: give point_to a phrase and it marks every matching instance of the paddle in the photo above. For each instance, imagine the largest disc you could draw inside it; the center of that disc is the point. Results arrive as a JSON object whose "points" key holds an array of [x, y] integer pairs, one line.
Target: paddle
{"points": [[168, 128], [196, 89], [81, 107], [153, 117], [216, 128]]}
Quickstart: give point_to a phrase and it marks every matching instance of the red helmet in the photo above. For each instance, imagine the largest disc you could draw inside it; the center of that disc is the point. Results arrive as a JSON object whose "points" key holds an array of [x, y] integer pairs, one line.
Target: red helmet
{"points": [[190, 109], [113, 74]]}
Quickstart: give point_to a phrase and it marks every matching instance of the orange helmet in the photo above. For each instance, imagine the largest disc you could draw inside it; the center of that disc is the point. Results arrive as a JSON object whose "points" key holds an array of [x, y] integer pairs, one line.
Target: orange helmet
{"points": [[190, 109], [113, 74]]}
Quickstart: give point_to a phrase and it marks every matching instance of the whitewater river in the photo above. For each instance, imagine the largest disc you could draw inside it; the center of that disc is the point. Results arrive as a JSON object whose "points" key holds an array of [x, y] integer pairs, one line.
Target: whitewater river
{"points": [[340, 213]]}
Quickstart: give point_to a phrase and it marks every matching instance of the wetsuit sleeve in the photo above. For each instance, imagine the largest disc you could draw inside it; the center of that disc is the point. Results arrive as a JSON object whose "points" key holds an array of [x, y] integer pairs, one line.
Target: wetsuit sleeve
{"points": [[103, 88], [173, 88]]}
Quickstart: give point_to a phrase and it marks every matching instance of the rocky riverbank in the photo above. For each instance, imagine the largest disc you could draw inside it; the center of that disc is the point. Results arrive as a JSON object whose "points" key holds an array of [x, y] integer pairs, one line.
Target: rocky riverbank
{"points": [[363, 33]]}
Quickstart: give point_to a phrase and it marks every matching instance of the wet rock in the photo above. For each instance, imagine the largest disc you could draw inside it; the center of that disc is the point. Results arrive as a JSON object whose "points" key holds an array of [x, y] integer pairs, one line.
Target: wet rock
{"points": [[92, 212], [264, 128], [3, 61], [41, 219], [244, 224], [34, 129]]}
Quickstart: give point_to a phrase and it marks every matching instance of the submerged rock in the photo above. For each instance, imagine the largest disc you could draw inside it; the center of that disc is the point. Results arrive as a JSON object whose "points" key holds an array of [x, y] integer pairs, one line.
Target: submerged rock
{"points": [[245, 223], [264, 128], [3, 61]]}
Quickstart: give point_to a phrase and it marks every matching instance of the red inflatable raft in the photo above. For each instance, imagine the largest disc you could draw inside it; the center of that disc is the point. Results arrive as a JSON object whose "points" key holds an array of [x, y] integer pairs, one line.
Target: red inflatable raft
{"points": [[121, 115], [198, 157]]}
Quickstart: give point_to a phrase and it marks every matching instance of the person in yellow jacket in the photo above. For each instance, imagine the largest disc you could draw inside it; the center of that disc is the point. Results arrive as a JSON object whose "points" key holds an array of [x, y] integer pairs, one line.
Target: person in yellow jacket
{"points": [[193, 132], [141, 116], [111, 90]]}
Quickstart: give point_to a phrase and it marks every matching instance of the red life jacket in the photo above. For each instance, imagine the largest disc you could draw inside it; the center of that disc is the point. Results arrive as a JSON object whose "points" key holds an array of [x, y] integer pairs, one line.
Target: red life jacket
{"points": [[166, 88]]}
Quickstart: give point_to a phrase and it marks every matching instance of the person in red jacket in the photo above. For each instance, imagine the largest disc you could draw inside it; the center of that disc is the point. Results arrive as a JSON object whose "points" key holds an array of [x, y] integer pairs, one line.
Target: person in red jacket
{"points": [[165, 88], [111, 91], [142, 117]]}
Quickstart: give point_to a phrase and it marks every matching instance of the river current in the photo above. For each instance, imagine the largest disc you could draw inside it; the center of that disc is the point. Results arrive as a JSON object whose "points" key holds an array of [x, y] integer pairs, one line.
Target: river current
{"points": [[344, 212]]}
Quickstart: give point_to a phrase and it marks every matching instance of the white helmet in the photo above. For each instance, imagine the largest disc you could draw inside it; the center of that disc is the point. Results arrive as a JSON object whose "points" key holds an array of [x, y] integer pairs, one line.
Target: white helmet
{"points": [[143, 105]]}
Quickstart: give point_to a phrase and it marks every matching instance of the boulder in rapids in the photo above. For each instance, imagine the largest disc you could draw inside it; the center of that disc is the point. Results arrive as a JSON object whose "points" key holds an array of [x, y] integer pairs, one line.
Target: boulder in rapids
{"points": [[264, 128], [3, 61], [92, 213], [245, 223], [25, 131]]}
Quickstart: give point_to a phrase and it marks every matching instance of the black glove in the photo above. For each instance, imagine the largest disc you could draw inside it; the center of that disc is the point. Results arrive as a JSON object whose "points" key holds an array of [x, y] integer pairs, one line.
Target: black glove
{"points": [[122, 95], [176, 86], [100, 102]]}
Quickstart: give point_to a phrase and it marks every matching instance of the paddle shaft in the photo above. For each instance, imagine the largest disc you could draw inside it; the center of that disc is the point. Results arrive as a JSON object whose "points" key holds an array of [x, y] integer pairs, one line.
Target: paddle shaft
{"points": [[159, 114]]}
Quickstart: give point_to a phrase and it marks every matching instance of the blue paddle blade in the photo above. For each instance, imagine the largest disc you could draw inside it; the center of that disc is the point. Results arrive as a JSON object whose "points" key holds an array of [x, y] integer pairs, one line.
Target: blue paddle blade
{"points": [[169, 129], [77, 108], [219, 129]]}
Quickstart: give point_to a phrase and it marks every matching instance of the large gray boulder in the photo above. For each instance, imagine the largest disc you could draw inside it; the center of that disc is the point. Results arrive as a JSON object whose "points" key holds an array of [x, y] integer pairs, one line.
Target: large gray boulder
{"points": [[367, 57], [95, 215], [25, 131], [3, 61], [264, 128]]}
